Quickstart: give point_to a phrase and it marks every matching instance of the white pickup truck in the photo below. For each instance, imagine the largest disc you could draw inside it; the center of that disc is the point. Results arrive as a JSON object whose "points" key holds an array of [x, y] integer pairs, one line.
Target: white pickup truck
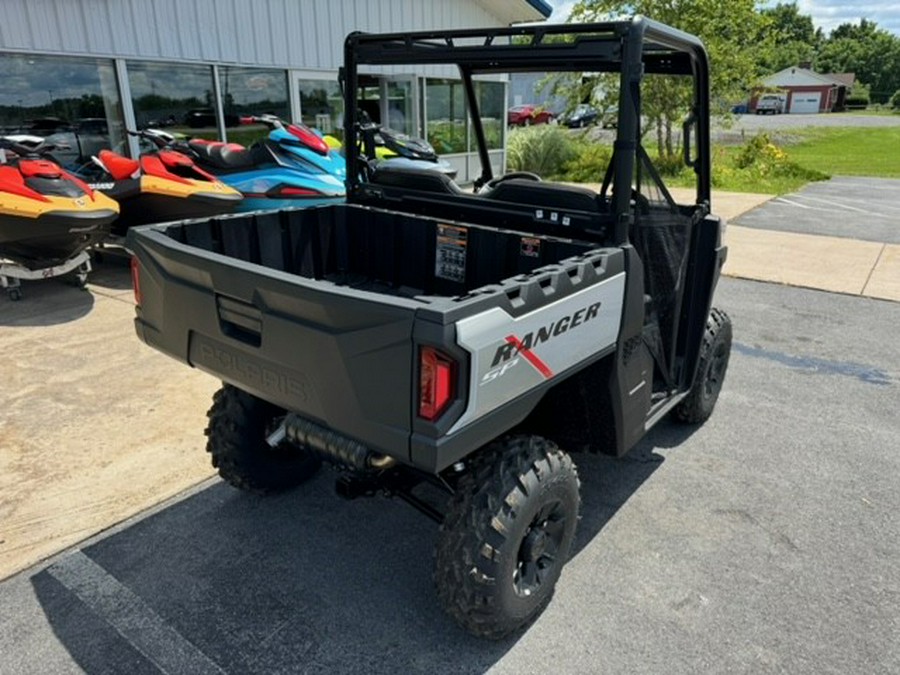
{"points": [[771, 103]]}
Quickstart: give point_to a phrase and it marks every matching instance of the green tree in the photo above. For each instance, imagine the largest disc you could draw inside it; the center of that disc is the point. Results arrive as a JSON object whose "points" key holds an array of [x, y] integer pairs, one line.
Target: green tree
{"points": [[733, 33], [790, 24], [872, 53], [792, 36]]}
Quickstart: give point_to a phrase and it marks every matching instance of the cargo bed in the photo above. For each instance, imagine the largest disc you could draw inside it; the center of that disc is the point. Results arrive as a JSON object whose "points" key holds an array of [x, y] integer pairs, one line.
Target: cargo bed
{"points": [[320, 310]]}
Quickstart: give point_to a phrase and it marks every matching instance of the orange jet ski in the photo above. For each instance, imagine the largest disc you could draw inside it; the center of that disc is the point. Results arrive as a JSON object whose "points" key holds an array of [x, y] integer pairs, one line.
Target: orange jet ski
{"points": [[162, 185]]}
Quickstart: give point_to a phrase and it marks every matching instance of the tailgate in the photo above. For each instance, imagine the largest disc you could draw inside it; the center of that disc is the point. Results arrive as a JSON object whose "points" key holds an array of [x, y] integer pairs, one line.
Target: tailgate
{"points": [[340, 356]]}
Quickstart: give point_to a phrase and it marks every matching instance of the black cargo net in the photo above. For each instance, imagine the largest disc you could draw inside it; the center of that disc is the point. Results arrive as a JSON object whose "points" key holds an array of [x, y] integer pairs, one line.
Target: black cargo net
{"points": [[661, 234]]}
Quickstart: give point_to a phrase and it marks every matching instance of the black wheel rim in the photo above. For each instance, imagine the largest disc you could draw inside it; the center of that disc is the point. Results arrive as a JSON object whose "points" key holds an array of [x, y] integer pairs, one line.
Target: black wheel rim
{"points": [[716, 372], [538, 556]]}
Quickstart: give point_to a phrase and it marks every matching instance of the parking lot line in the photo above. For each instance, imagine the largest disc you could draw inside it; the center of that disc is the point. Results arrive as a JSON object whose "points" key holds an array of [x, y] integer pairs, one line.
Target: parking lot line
{"points": [[784, 200], [130, 616], [838, 205]]}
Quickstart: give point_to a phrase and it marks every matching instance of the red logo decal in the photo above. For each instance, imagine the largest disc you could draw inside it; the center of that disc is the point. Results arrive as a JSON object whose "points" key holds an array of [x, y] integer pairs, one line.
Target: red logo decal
{"points": [[530, 356]]}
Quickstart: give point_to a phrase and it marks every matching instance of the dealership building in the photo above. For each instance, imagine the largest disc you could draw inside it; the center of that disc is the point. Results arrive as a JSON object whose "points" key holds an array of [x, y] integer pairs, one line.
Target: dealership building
{"points": [[93, 68]]}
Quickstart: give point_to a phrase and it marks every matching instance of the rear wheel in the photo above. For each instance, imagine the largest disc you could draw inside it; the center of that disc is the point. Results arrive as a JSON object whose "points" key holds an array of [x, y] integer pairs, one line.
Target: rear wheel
{"points": [[239, 424], [507, 535], [714, 354]]}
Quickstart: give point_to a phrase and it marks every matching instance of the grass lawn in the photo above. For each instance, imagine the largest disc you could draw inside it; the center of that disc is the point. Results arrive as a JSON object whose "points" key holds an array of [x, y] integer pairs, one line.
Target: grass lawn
{"points": [[850, 151], [839, 151], [883, 111]]}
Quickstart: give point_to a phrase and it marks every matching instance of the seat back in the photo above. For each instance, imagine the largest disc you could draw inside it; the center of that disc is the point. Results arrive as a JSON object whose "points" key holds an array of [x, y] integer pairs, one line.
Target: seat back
{"points": [[547, 195], [424, 180]]}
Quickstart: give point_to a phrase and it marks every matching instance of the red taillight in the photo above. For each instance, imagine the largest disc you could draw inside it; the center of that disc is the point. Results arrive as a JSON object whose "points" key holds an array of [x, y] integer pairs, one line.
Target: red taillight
{"points": [[436, 383], [136, 280]]}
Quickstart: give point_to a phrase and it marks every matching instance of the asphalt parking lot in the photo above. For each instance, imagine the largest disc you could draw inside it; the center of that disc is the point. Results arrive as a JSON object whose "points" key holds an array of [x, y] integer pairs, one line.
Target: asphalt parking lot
{"points": [[767, 540], [860, 208]]}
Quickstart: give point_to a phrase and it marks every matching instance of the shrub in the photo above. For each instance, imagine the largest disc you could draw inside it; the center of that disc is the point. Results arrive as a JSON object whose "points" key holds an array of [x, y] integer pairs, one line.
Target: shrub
{"points": [[757, 151], [669, 165], [895, 100], [857, 101], [588, 165], [761, 159], [542, 149]]}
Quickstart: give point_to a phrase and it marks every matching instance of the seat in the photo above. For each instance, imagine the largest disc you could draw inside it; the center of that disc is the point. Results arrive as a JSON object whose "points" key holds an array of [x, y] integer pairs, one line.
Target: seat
{"points": [[119, 167], [424, 180], [222, 155], [547, 195]]}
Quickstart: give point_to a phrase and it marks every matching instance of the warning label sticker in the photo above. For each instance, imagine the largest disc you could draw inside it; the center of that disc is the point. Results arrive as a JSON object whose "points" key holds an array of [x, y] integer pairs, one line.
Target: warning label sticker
{"points": [[450, 254]]}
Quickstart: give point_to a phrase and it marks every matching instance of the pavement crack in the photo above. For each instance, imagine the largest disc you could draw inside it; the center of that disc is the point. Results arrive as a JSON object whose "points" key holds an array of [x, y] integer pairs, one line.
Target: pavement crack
{"points": [[872, 271]]}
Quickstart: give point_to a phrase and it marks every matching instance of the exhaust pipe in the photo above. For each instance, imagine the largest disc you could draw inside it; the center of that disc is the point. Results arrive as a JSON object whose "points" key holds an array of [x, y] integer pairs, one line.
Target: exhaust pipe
{"points": [[330, 446]]}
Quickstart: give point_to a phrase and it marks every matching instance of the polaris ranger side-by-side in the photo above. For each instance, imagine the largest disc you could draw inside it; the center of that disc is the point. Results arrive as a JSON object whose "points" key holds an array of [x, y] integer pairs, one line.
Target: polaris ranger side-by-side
{"points": [[423, 336]]}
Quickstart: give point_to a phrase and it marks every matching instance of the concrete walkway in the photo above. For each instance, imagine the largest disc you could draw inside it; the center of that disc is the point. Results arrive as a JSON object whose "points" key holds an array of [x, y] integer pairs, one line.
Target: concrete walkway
{"points": [[95, 427], [828, 263]]}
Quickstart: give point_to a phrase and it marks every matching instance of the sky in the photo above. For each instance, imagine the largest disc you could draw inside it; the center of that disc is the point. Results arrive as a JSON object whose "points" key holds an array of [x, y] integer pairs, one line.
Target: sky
{"points": [[826, 14]]}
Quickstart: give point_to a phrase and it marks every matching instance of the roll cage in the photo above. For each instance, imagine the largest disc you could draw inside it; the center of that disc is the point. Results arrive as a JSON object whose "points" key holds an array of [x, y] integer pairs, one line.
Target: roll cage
{"points": [[632, 47]]}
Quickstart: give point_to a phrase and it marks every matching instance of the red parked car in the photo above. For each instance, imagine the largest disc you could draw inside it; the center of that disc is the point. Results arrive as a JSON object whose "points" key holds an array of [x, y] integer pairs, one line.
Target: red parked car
{"points": [[525, 115]]}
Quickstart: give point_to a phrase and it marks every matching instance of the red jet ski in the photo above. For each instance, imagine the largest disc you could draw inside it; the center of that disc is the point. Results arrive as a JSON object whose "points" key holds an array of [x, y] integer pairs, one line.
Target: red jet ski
{"points": [[48, 217], [162, 185]]}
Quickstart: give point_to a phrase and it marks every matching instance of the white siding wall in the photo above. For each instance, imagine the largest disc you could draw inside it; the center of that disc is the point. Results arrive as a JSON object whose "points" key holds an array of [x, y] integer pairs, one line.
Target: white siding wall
{"points": [[306, 34]]}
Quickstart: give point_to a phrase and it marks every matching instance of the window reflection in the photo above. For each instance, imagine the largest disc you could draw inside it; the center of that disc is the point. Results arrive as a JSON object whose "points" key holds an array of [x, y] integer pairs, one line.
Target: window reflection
{"points": [[252, 91], [72, 102], [322, 106], [492, 108], [174, 96], [445, 111]]}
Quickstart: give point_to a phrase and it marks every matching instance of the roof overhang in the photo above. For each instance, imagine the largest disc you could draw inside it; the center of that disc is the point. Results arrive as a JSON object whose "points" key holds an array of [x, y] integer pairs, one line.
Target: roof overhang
{"points": [[515, 11]]}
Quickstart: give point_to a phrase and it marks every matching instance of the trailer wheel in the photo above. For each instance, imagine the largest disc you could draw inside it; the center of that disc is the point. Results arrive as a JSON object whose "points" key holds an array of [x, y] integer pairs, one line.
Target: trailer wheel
{"points": [[238, 426], [714, 354], [76, 278], [507, 535]]}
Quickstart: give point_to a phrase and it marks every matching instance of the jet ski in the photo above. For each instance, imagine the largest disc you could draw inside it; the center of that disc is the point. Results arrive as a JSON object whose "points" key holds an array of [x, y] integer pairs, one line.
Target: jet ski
{"points": [[160, 186], [48, 217], [292, 167], [383, 145]]}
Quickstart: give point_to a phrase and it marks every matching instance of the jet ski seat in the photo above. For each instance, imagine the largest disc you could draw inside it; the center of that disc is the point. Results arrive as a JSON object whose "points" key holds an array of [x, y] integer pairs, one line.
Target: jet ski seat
{"points": [[119, 167], [222, 155]]}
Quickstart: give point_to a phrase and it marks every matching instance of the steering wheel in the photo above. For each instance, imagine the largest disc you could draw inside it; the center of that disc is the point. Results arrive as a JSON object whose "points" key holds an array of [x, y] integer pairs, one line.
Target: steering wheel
{"points": [[527, 175]]}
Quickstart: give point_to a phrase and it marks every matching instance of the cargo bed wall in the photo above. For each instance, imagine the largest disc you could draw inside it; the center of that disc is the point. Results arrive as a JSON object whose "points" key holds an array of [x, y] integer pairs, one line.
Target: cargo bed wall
{"points": [[378, 250]]}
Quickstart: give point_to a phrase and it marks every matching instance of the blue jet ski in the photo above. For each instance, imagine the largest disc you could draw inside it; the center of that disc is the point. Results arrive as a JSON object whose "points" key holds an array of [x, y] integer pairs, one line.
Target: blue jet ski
{"points": [[292, 167]]}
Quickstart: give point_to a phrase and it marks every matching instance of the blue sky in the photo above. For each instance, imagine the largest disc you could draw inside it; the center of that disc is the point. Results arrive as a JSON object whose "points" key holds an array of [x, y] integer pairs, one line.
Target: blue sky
{"points": [[826, 14]]}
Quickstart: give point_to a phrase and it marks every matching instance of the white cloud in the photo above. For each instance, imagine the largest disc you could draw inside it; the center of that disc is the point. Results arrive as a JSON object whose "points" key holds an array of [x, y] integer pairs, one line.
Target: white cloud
{"points": [[826, 14], [829, 14]]}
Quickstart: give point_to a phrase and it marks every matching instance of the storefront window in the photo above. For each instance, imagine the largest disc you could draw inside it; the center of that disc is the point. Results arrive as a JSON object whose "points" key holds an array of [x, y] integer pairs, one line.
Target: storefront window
{"points": [[322, 106], [400, 106], [72, 102], [252, 91], [445, 112], [174, 96], [492, 106]]}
